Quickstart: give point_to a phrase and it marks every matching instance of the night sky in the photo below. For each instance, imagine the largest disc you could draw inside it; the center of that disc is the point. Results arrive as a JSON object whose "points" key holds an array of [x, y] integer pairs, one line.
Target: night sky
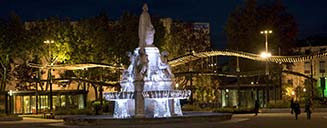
{"points": [[311, 15]]}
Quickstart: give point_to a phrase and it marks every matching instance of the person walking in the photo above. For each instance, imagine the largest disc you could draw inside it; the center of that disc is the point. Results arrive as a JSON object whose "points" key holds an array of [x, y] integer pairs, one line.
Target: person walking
{"points": [[256, 107], [308, 108], [292, 106], [296, 109]]}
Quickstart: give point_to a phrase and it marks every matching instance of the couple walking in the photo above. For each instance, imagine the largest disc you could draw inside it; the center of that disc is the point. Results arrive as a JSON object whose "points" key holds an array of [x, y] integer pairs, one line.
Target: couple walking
{"points": [[296, 109]]}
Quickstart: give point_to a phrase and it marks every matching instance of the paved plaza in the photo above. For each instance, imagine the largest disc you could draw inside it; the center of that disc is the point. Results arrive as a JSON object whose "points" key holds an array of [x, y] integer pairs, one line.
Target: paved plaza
{"points": [[264, 120]]}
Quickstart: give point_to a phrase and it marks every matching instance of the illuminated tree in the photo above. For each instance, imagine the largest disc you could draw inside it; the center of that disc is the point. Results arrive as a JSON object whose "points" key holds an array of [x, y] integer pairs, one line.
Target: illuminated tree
{"points": [[13, 36]]}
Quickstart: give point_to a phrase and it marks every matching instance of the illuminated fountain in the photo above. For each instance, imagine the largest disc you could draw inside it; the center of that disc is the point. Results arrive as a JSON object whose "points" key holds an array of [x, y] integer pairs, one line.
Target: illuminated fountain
{"points": [[147, 87]]}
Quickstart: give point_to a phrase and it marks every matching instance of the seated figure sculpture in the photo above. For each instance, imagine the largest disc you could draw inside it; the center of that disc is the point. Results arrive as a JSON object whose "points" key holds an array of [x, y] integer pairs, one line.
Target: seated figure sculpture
{"points": [[164, 67], [141, 64]]}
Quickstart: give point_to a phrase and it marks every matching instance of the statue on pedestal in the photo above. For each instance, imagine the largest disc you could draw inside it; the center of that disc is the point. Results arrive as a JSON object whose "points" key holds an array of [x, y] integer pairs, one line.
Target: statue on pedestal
{"points": [[146, 29], [148, 79]]}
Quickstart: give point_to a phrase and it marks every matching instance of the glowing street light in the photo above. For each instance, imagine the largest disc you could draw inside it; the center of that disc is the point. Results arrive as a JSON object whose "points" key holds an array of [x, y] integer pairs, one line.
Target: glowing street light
{"points": [[49, 42], [266, 32], [266, 54]]}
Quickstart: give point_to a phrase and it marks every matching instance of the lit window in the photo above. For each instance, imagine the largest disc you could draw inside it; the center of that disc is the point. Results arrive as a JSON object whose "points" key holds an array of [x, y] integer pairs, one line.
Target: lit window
{"points": [[307, 67]]}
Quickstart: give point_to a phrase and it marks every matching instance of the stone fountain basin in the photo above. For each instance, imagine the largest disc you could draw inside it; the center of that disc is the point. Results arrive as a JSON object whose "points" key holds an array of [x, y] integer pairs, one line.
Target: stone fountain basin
{"points": [[164, 94], [109, 120]]}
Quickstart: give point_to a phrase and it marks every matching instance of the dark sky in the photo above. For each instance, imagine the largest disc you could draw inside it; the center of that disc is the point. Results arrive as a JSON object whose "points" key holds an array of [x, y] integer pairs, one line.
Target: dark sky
{"points": [[311, 15]]}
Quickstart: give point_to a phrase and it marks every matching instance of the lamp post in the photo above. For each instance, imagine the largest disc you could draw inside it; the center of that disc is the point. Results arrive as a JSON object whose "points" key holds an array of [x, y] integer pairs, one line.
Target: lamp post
{"points": [[238, 82], [266, 55], [49, 42], [9, 109]]}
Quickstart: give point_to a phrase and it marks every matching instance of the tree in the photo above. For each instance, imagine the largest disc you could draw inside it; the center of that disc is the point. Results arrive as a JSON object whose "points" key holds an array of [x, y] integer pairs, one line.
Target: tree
{"points": [[13, 48], [126, 36], [3, 56], [245, 23], [182, 38]]}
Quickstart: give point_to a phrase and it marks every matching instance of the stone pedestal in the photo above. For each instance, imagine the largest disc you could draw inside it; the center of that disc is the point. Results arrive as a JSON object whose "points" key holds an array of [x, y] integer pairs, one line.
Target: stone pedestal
{"points": [[139, 100]]}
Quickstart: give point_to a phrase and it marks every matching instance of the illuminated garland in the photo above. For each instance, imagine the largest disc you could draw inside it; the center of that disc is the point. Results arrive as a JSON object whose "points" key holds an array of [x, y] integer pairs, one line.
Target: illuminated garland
{"points": [[277, 59]]}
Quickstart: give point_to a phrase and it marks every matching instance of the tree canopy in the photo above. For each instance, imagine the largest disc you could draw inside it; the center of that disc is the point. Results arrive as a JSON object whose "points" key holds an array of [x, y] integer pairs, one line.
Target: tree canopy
{"points": [[97, 39], [246, 21]]}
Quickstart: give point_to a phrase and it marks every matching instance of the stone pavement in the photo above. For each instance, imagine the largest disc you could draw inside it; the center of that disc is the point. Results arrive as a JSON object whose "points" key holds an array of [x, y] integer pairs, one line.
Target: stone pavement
{"points": [[288, 110], [263, 120], [30, 123]]}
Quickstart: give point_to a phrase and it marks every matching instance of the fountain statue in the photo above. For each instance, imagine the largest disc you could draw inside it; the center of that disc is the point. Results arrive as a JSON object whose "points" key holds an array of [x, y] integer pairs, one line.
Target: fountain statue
{"points": [[147, 87]]}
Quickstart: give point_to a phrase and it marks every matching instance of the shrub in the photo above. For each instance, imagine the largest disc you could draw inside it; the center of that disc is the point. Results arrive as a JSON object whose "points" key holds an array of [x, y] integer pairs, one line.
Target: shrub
{"points": [[279, 104], [62, 112], [96, 107], [73, 112], [11, 115], [224, 110], [239, 110], [83, 112], [108, 107], [191, 107]]}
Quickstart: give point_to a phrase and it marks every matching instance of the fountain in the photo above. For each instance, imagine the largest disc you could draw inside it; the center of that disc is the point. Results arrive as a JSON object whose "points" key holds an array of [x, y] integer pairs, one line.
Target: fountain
{"points": [[147, 86], [147, 90]]}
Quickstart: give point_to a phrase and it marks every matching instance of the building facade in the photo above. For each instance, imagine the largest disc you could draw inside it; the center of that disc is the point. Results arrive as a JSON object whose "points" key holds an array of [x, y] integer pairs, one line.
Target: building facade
{"points": [[316, 68]]}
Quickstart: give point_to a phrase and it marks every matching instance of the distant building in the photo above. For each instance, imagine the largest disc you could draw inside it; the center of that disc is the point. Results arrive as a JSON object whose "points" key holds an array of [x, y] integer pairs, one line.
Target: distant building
{"points": [[317, 67], [295, 81]]}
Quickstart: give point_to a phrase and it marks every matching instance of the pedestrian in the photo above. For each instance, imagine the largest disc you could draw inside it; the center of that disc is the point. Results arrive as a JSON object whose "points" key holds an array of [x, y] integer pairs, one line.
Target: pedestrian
{"points": [[308, 108], [296, 109], [292, 106], [256, 107]]}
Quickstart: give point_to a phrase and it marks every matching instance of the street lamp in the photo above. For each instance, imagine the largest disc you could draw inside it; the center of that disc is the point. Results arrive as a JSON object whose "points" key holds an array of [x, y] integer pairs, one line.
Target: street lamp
{"points": [[266, 32], [49, 42], [266, 54]]}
